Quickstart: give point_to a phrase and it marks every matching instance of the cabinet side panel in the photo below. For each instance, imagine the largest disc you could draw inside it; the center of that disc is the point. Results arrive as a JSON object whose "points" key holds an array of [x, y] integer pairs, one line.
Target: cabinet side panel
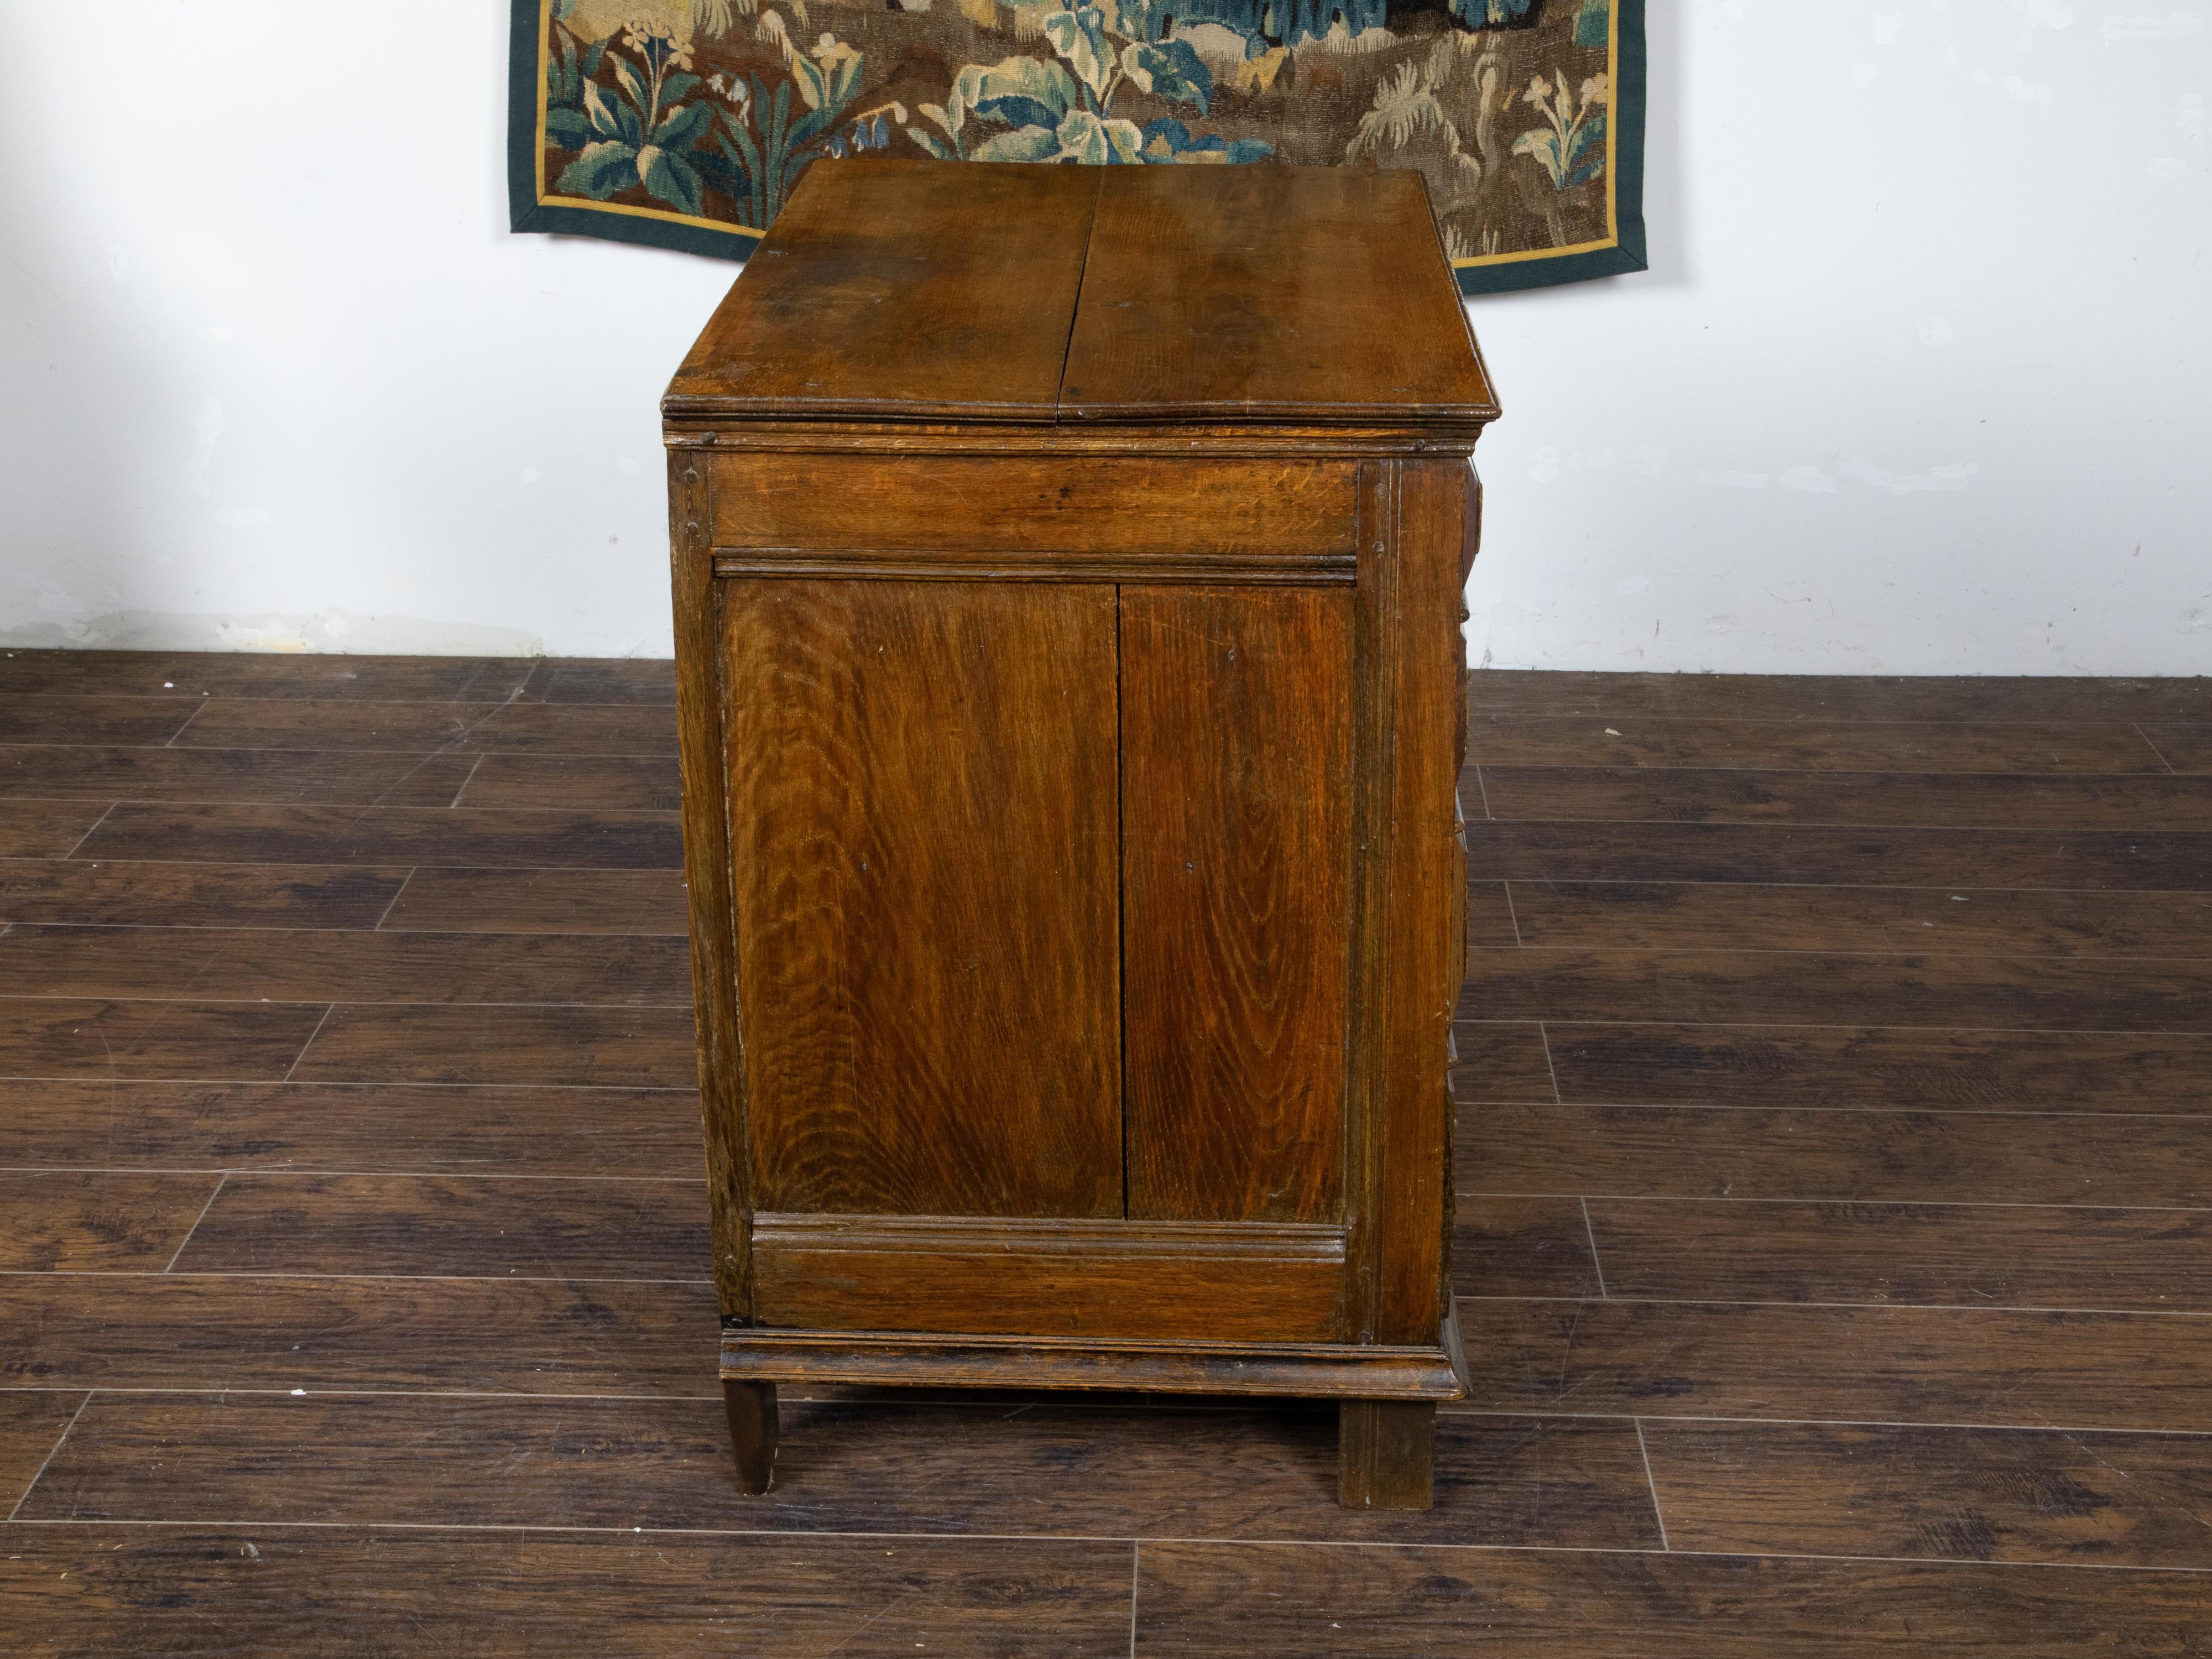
{"points": [[705, 875], [1411, 961], [925, 856], [1235, 734]]}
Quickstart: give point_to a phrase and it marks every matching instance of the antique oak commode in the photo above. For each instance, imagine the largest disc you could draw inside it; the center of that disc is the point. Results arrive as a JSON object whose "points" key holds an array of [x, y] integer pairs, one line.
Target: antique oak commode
{"points": [[1068, 578]]}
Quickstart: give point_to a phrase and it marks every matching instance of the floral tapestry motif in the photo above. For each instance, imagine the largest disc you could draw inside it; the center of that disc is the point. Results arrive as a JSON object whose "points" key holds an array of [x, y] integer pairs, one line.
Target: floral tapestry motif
{"points": [[688, 123]]}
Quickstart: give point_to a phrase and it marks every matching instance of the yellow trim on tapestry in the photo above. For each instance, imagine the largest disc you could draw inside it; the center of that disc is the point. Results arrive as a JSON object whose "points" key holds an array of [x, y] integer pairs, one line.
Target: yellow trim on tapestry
{"points": [[1611, 238]]}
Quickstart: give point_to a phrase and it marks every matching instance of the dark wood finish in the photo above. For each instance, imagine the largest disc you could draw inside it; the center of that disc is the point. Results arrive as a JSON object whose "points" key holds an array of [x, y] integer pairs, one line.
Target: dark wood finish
{"points": [[1680, 916], [2000, 1367], [541, 902], [1888, 698], [67, 1037], [2105, 1500], [1387, 1453], [1224, 293], [411, 727], [751, 1407], [46, 828], [440, 1336], [1089, 695], [54, 890], [106, 1221], [2170, 860], [2063, 1446], [1813, 745], [612, 1048], [135, 1591], [2150, 1260], [422, 1224], [319, 965], [2184, 748], [465, 838], [922, 785], [1834, 1153], [1223, 1601], [564, 1130], [974, 509], [1732, 1064], [1235, 736], [895, 289], [234, 774], [1200, 1281], [1979, 800], [1181, 1367]]}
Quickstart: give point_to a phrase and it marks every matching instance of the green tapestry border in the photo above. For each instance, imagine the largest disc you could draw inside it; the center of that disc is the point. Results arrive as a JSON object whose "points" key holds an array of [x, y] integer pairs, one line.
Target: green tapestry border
{"points": [[530, 210], [1626, 251]]}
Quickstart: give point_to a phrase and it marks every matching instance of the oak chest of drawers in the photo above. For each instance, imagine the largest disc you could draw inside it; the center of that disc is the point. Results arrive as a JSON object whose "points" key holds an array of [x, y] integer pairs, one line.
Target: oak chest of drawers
{"points": [[1067, 569]]}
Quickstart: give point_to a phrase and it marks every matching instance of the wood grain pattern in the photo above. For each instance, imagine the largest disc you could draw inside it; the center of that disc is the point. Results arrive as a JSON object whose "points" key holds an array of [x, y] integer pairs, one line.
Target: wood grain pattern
{"points": [[1109, 1279], [924, 843], [2151, 860], [1888, 698], [2033, 747], [1836, 1153], [66, 1038], [1948, 1254], [478, 1226], [648, 1047], [1500, 1061], [553, 1336], [1219, 1601], [56, 890], [129, 1590], [983, 509], [1664, 1064], [31, 1424], [601, 679], [185, 676], [2003, 1367], [312, 965], [572, 782], [1109, 1470], [979, 327], [233, 774], [2107, 1500], [2185, 747], [1179, 255], [108, 1221], [1236, 738], [45, 828], [1682, 916], [1750, 986], [488, 1129], [464, 837], [1967, 799], [540, 902], [1406, 968], [412, 727], [77, 717]]}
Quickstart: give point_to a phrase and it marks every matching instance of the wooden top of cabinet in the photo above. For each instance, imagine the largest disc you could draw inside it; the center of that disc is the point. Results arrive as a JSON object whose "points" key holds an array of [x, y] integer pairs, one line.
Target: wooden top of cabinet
{"points": [[1007, 294]]}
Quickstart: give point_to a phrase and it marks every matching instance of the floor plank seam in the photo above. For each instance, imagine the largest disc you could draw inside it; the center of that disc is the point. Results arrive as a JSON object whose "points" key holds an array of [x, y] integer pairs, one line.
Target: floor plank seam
{"points": [[1559, 1098], [190, 1230], [1590, 1232], [1629, 1301], [328, 1011], [1651, 1482], [1512, 915], [2151, 743], [88, 834], [51, 1453], [1221, 1540]]}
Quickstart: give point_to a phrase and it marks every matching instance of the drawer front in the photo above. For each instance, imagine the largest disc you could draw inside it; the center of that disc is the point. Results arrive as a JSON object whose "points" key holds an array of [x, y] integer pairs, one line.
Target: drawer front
{"points": [[976, 507]]}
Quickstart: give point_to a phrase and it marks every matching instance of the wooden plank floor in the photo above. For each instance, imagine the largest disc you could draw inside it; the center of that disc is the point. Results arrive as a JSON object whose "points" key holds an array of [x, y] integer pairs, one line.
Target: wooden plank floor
{"points": [[1836, 1175]]}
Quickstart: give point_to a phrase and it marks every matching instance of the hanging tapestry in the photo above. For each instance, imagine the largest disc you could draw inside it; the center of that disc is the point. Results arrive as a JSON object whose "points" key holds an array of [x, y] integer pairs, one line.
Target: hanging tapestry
{"points": [[686, 123]]}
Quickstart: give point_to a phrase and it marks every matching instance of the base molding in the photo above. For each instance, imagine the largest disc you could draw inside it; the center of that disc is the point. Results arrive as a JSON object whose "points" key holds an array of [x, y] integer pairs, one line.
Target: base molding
{"points": [[1300, 1369]]}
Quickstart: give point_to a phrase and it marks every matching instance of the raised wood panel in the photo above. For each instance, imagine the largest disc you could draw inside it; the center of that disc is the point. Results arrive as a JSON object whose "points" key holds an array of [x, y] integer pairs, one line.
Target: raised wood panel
{"points": [[862, 301], [986, 509], [1106, 1279], [924, 849], [1235, 737]]}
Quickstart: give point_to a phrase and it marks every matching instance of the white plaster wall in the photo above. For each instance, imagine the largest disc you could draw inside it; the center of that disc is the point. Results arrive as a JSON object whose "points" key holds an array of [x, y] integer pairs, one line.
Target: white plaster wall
{"points": [[1917, 384]]}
